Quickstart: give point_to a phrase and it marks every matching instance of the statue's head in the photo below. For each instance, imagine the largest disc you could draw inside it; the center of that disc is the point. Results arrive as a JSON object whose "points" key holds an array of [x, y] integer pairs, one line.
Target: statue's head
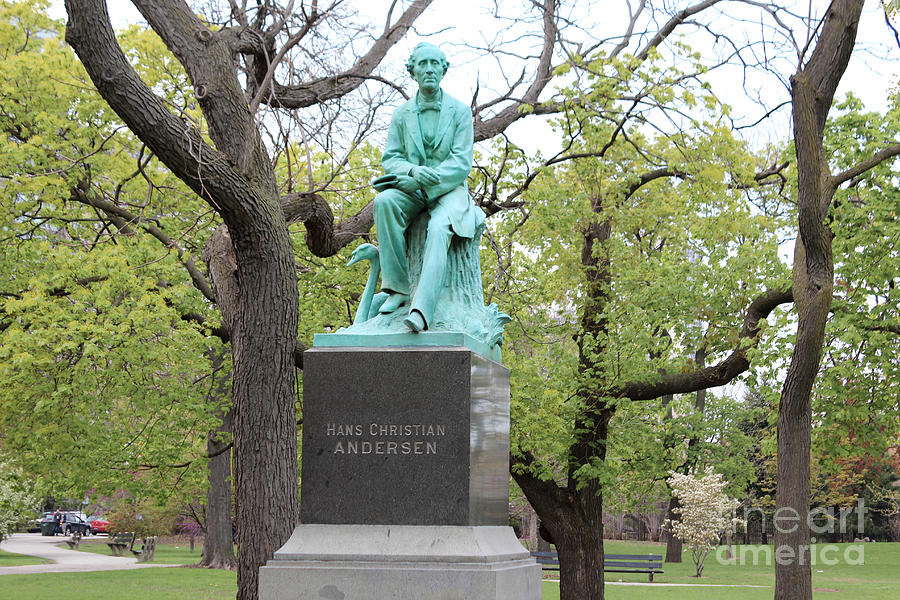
{"points": [[425, 49]]}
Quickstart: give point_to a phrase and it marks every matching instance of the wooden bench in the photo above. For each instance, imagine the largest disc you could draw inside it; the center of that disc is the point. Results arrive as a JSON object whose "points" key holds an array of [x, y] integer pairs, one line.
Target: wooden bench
{"points": [[148, 547], [612, 563], [73, 541], [120, 543]]}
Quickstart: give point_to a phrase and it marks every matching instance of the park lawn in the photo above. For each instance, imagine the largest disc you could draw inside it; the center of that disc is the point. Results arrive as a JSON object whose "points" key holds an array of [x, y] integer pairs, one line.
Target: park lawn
{"points": [[877, 579], [165, 554], [158, 584], [11, 559]]}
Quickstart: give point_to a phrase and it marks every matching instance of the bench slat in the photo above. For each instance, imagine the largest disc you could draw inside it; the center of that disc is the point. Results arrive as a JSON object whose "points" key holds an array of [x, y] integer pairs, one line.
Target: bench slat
{"points": [[620, 564], [613, 563]]}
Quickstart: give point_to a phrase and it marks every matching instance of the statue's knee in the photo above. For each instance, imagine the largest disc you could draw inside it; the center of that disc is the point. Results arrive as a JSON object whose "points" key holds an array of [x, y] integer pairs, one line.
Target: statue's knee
{"points": [[439, 225], [385, 201]]}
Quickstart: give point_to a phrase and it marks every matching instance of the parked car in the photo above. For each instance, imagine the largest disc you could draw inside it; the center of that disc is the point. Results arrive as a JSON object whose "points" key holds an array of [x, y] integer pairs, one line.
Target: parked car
{"points": [[98, 524], [72, 523], [34, 525]]}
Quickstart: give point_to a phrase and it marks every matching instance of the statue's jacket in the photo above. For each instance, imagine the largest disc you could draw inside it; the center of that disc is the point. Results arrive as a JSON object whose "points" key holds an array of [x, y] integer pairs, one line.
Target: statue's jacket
{"points": [[451, 158]]}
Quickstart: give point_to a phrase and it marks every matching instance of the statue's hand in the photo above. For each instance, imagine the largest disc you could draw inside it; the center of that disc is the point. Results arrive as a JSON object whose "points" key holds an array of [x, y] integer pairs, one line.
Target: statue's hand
{"points": [[425, 176], [407, 184]]}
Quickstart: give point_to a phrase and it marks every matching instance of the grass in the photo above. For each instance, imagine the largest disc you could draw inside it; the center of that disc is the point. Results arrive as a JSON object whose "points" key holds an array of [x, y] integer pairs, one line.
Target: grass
{"points": [[10, 559], [877, 579], [165, 554], [139, 584]]}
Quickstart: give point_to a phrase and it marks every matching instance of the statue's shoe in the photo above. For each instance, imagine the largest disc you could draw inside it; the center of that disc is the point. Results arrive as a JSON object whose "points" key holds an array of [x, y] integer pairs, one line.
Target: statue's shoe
{"points": [[415, 321], [393, 302]]}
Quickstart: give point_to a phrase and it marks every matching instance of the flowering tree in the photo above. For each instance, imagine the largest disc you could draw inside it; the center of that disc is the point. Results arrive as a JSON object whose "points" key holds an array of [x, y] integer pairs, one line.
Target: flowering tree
{"points": [[15, 502], [704, 512]]}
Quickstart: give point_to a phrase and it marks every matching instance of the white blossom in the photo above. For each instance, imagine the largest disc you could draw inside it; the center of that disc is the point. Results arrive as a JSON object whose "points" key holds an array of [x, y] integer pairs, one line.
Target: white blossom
{"points": [[705, 511], [15, 502]]}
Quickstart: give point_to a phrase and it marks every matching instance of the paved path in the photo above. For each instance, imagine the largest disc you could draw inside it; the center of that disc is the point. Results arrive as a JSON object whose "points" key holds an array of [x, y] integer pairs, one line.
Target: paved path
{"points": [[64, 559]]}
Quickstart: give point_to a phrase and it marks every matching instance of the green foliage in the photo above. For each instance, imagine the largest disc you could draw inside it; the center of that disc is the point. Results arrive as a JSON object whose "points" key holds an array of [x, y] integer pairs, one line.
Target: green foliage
{"points": [[685, 255], [92, 394], [329, 291], [855, 402], [106, 384]]}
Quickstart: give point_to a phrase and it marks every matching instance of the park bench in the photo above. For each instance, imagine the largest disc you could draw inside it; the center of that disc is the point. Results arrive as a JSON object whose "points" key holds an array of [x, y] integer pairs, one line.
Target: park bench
{"points": [[612, 563], [120, 543], [148, 547], [73, 541]]}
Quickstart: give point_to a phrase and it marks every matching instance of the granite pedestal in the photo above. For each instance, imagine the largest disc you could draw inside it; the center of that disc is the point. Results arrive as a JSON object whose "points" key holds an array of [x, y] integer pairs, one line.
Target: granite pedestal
{"points": [[403, 562], [404, 481]]}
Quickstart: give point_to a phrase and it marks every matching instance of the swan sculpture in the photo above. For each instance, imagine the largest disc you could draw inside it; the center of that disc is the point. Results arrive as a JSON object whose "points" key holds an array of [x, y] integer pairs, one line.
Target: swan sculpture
{"points": [[370, 302]]}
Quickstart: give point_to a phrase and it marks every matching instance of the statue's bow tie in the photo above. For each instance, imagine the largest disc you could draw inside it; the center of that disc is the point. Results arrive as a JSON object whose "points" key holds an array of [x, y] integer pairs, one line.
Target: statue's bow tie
{"points": [[429, 106]]}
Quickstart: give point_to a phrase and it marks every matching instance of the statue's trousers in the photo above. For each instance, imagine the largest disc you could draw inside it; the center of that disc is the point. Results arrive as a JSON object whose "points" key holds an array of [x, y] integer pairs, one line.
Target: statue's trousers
{"points": [[394, 210]]}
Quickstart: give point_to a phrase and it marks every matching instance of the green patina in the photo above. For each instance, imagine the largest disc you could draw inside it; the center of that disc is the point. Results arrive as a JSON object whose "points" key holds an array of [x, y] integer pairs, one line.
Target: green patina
{"points": [[428, 230]]}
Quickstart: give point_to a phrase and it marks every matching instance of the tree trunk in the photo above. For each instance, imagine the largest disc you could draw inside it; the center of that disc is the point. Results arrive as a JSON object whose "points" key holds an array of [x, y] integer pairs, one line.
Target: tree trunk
{"points": [[812, 91], [235, 177], [265, 420], [673, 543], [574, 519], [218, 547], [581, 566]]}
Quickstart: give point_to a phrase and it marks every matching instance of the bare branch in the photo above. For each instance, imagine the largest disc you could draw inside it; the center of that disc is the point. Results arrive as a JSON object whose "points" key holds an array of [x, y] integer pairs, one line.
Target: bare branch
{"points": [[486, 129], [671, 25], [333, 86]]}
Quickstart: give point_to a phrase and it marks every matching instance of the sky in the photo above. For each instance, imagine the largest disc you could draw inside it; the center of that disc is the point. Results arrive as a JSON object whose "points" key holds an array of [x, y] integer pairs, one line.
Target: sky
{"points": [[870, 75]]}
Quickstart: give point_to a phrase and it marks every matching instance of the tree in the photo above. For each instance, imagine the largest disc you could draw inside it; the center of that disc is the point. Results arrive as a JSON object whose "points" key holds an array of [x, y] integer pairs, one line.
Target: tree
{"points": [[630, 227], [228, 167], [16, 502], [93, 315], [635, 207], [812, 91], [704, 511]]}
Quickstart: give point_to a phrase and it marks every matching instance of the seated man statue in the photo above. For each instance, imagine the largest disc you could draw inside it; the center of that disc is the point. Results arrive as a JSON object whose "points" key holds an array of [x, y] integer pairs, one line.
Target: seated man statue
{"points": [[427, 159]]}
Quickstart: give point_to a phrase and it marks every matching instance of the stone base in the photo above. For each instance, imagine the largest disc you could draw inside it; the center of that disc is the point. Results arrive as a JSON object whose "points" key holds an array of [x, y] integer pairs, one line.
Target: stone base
{"points": [[404, 436], [406, 562]]}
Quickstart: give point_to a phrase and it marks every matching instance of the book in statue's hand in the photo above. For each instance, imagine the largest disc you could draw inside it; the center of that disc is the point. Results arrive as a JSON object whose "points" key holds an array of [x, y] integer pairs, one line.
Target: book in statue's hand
{"points": [[385, 182]]}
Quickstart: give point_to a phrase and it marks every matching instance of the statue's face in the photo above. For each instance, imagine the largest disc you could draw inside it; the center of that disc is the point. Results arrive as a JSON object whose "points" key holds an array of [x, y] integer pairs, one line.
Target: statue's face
{"points": [[428, 69]]}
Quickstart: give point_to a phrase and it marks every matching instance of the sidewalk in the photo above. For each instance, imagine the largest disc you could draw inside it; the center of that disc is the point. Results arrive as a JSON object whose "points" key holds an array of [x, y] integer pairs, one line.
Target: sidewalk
{"points": [[64, 559]]}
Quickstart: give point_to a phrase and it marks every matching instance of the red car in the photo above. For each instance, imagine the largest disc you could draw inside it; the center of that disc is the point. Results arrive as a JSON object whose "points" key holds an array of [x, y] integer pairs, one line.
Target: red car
{"points": [[98, 525]]}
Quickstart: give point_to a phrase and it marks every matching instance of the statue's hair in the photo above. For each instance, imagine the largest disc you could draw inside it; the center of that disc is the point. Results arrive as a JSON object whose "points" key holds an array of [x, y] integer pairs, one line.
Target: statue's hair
{"points": [[421, 46]]}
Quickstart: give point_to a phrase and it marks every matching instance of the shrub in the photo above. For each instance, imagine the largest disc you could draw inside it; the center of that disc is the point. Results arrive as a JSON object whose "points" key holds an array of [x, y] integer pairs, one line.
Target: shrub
{"points": [[16, 503], [704, 512]]}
